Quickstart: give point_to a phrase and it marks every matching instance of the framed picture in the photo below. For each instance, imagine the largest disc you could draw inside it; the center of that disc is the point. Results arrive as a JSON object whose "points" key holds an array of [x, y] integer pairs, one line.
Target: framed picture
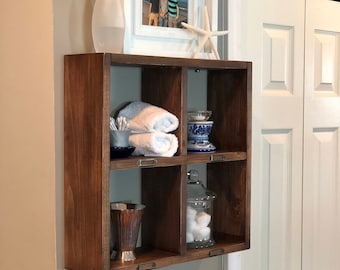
{"points": [[148, 37]]}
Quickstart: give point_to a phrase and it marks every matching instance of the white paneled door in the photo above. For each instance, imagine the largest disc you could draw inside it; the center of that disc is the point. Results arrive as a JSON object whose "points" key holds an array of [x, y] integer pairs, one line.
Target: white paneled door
{"points": [[295, 49], [321, 192], [271, 34]]}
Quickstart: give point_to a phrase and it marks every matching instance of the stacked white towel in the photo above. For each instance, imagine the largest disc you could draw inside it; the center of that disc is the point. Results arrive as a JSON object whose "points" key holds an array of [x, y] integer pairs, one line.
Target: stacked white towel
{"points": [[144, 117], [150, 126], [154, 144]]}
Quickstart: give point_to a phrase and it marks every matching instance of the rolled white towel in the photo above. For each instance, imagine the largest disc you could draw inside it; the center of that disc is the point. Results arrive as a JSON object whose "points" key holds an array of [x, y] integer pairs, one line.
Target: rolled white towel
{"points": [[154, 144], [144, 117]]}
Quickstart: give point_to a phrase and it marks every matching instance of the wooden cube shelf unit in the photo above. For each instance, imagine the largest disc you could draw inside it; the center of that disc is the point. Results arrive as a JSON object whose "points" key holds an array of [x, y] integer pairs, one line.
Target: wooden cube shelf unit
{"points": [[164, 83]]}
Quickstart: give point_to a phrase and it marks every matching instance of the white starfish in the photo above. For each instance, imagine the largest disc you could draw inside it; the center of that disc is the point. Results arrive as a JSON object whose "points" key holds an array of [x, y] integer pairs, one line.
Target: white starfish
{"points": [[206, 33]]}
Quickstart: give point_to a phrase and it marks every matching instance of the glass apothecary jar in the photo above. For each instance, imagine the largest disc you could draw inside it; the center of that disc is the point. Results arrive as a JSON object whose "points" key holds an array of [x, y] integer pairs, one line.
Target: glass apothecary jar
{"points": [[199, 213]]}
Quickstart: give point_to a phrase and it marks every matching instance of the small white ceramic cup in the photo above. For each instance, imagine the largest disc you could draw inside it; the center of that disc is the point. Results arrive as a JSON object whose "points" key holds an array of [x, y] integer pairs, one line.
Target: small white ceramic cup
{"points": [[119, 138]]}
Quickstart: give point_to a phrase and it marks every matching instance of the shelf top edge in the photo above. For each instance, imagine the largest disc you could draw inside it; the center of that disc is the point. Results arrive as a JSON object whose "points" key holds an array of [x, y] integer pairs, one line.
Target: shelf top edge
{"points": [[191, 158], [147, 60]]}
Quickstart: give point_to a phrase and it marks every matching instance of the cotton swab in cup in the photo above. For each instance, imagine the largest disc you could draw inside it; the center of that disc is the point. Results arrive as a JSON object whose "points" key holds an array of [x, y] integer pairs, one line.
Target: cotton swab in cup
{"points": [[122, 123], [112, 124]]}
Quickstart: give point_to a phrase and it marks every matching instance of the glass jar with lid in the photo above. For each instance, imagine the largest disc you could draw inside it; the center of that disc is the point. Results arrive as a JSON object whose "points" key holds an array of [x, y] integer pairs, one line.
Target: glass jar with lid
{"points": [[199, 213]]}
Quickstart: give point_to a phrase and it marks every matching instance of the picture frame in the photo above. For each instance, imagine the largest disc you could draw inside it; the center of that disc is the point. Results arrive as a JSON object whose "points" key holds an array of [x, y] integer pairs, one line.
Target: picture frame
{"points": [[143, 39]]}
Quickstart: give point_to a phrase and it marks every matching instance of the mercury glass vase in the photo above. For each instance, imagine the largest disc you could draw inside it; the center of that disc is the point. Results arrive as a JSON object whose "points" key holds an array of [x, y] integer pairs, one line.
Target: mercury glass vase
{"points": [[125, 221]]}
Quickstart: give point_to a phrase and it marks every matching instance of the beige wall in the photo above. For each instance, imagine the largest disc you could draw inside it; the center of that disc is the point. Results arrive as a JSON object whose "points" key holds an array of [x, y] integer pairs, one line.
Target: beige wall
{"points": [[72, 34], [27, 162], [34, 36], [31, 119]]}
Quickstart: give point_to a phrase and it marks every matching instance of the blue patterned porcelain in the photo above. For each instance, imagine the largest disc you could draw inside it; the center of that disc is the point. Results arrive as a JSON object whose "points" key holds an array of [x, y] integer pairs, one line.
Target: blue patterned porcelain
{"points": [[198, 136]]}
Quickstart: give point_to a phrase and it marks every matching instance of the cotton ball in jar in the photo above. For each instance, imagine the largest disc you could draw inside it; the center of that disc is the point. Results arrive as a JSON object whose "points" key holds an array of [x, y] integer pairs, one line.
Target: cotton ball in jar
{"points": [[191, 213], [190, 237], [201, 234], [203, 219], [191, 225]]}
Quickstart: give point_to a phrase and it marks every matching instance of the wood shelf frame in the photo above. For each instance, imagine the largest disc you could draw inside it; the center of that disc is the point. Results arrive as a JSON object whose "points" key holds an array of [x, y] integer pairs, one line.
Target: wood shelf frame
{"points": [[87, 163]]}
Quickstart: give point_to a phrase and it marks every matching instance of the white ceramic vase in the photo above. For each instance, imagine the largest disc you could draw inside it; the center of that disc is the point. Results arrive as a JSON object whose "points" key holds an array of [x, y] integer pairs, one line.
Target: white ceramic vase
{"points": [[108, 26]]}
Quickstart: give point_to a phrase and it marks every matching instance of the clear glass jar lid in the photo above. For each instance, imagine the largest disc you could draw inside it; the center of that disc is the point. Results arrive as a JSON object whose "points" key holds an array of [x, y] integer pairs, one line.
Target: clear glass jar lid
{"points": [[196, 191]]}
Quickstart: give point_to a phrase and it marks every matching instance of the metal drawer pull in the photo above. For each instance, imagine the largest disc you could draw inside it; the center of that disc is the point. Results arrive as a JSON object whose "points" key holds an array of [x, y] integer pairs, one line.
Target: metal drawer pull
{"points": [[217, 158], [147, 266], [216, 252], [150, 162]]}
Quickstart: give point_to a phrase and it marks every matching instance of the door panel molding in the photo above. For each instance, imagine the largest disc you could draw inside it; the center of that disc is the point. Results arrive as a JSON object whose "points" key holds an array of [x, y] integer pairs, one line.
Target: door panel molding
{"points": [[327, 48], [322, 200], [278, 59]]}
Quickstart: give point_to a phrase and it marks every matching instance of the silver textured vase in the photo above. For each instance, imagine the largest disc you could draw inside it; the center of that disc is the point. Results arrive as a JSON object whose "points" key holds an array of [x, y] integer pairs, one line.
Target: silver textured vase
{"points": [[125, 221]]}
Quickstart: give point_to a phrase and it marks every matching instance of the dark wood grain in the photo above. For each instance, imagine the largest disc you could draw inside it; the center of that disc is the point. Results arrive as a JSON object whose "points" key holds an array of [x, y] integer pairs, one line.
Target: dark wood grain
{"points": [[134, 162], [166, 87], [228, 181], [142, 60], [163, 195], [230, 116], [160, 258], [86, 159]]}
